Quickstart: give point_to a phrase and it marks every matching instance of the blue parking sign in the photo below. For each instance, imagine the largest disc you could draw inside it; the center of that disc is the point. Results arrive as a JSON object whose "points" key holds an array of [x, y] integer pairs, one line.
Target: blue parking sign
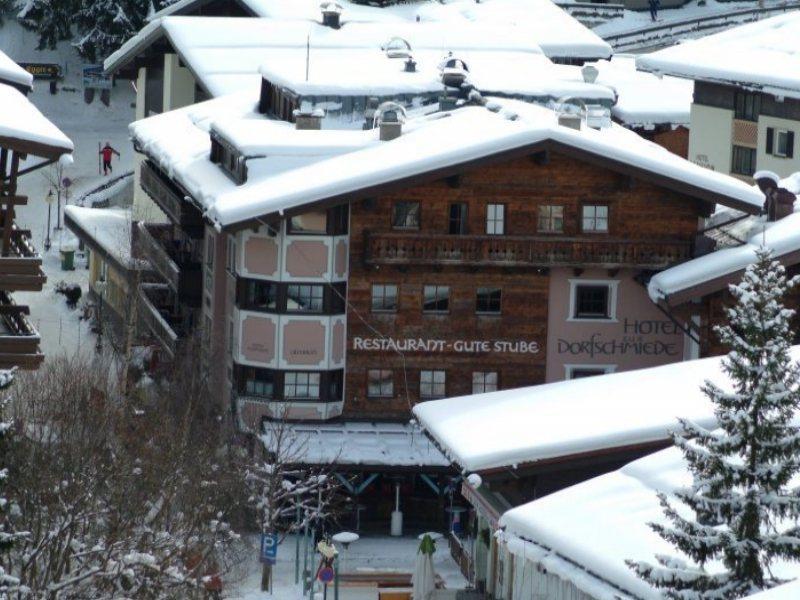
{"points": [[269, 548]]}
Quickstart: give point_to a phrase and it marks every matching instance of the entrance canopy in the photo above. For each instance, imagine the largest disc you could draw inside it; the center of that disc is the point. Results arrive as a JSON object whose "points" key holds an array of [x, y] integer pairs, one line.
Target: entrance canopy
{"points": [[359, 444]]}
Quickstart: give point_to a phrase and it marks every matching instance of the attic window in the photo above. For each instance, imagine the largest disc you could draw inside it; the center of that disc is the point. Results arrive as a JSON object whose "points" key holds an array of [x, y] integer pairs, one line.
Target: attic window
{"points": [[230, 159]]}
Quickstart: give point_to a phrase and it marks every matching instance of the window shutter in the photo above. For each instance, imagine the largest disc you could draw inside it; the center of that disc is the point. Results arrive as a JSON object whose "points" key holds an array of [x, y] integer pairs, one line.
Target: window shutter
{"points": [[770, 139], [790, 144]]}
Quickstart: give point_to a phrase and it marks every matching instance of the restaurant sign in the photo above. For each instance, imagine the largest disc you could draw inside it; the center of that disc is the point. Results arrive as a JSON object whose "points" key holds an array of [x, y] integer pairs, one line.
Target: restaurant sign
{"points": [[42, 70], [457, 346]]}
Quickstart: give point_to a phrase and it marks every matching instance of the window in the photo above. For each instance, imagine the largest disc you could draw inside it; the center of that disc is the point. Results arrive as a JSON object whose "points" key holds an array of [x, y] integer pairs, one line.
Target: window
{"points": [[594, 217], [384, 297], [780, 142], [304, 298], [484, 381], [488, 300], [339, 219], [437, 299], [209, 261], [496, 219], [582, 371], [458, 218], [747, 106], [258, 295], [743, 161], [405, 215], [591, 302], [380, 383], [432, 384], [301, 385], [314, 223], [258, 382], [231, 254], [231, 161], [551, 218]]}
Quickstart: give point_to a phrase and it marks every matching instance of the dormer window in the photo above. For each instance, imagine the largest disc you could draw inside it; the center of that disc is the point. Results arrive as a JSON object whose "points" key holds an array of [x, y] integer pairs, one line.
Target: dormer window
{"points": [[230, 159]]}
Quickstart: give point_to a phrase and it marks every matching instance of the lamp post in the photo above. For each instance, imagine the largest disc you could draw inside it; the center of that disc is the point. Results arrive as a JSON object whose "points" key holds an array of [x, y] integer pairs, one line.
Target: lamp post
{"points": [[100, 286], [49, 200]]}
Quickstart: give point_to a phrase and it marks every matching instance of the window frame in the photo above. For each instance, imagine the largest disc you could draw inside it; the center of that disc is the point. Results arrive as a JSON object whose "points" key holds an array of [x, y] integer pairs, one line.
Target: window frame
{"points": [[383, 374], [745, 112], [383, 308], [406, 227], [488, 311], [312, 287], [287, 375], [595, 217], [550, 219], [612, 286], [736, 151], [461, 220], [437, 299], [483, 376], [604, 369], [495, 220], [432, 384]]}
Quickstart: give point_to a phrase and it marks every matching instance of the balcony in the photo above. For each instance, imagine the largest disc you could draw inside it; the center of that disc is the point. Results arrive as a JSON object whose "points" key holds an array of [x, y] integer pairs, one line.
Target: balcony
{"points": [[520, 251], [21, 266], [171, 201], [181, 271], [160, 316], [19, 340]]}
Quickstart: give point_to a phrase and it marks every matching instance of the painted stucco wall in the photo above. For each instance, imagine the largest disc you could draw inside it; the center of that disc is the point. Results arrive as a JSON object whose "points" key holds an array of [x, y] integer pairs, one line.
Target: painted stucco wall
{"points": [[782, 166], [179, 84], [638, 336], [710, 137]]}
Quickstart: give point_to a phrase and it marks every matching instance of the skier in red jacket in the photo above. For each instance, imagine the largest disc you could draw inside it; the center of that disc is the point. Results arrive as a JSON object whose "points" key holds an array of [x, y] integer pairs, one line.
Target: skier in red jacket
{"points": [[107, 153]]}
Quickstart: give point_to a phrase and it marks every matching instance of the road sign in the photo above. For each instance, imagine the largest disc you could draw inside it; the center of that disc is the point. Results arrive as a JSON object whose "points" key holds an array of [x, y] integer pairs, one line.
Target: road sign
{"points": [[95, 78], [326, 575], [269, 548]]}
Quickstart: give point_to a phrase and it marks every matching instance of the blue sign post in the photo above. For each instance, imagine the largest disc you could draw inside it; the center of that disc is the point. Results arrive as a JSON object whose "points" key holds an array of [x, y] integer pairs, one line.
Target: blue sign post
{"points": [[269, 548]]}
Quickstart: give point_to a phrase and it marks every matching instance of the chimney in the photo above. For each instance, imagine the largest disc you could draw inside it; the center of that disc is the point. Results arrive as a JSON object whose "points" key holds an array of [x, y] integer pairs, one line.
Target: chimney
{"points": [[598, 116], [389, 123], [308, 119], [589, 73], [411, 65], [779, 202], [331, 14], [571, 120]]}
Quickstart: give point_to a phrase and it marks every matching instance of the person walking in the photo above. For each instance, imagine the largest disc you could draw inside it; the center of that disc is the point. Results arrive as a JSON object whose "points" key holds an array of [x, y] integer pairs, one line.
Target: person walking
{"points": [[653, 8], [108, 153]]}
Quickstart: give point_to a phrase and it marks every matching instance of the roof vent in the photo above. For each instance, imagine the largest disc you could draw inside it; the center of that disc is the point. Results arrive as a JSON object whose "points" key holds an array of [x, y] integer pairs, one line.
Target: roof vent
{"points": [[589, 73], [397, 47], [389, 117], [331, 14], [571, 120], [411, 65], [454, 71], [779, 202], [307, 118]]}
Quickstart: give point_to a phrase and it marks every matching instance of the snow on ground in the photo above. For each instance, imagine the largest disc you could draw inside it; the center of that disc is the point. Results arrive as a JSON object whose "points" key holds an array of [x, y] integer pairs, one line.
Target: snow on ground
{"points": [[370, 553], [87, 125]]}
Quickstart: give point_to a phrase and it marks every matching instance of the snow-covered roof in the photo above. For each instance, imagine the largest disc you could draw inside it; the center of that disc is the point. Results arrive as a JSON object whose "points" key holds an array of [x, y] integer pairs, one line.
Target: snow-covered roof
{"points": [[178, 142], [108, 228], [547, 25], [606, 522], [762, 56], [355, 443], [24, 128], [368, 72], [787, 591], [716, 270], [11, 73], [558, 420], [645, 100]]}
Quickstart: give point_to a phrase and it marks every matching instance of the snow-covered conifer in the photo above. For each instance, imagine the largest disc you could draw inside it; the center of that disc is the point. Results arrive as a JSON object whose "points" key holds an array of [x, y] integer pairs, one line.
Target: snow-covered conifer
{"points": [[744, 512], [7, 534]]}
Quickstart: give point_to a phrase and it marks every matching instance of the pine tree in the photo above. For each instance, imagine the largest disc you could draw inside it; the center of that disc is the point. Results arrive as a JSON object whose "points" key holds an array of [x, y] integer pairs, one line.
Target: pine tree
{"points": [[51, 19], [7, 534], [745, 514], [7, 7], [104, 25]]}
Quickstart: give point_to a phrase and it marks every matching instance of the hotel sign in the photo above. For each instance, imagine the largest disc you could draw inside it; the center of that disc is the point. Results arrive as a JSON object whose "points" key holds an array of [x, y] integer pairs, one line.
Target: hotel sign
{"points": [[457, 346]]}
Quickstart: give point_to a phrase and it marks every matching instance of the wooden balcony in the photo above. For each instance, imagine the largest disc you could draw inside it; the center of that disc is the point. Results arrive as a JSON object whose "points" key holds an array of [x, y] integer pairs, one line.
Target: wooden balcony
{"points": [[21, 266], [19, 340], [520, 251], [158, 314], [170, 200], [178, 268]]}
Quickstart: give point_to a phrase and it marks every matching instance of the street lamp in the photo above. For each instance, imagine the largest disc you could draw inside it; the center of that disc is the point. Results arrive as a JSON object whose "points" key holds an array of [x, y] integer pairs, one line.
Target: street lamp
{"points": [[49, 200], [100, 286]]}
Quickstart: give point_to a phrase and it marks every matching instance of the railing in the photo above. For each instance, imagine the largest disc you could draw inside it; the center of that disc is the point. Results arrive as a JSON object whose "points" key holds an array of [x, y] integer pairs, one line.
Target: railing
{"points": [[461, 556], [178, 268], [522, 251], [170, 201], [593, 13], [666, 32], [19, 340], [157, 314], [21, 268]]}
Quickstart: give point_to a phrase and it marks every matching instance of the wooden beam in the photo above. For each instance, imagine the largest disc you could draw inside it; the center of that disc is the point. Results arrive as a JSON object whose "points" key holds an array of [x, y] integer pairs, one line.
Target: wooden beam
{"points": [[14, 309]]}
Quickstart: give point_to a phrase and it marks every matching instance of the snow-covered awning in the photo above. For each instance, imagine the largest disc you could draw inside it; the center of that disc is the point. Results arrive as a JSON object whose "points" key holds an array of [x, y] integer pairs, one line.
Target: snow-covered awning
{"points": [[434, 146], [12, 74], [358, 444], [562, 420], [26, 130], [761, 56]]}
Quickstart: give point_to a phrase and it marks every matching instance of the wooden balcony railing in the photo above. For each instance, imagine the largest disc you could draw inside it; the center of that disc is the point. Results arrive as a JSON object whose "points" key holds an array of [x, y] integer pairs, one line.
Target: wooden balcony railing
{"points": [[21, 267], [19, 340], [170, 201], [520, 251], [157, 313], [178, 268]]}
